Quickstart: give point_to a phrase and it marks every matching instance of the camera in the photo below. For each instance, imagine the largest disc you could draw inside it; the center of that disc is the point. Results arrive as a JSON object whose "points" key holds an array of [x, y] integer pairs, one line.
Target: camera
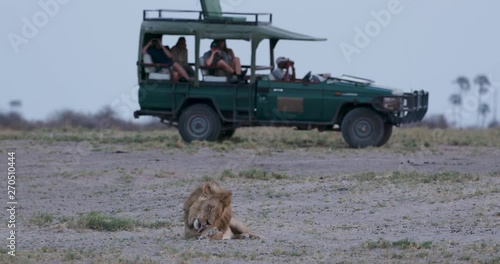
{"points": [[218, 56]]}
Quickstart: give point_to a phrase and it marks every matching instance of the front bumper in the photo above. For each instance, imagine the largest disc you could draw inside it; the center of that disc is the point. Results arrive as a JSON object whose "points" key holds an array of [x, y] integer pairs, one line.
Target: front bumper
{"points": [[406, 108], [413, 107]]}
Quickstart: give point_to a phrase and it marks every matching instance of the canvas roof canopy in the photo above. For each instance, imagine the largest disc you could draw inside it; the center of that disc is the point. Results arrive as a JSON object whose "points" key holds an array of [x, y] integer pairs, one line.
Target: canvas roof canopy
{"points": [[213, 23], [224, 31]]}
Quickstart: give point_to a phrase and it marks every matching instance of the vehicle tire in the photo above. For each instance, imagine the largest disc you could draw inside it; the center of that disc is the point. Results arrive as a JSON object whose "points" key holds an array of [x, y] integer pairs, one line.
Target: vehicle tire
{"points": [[199, 123], [362, 127], [387, 134], [226, 134]]}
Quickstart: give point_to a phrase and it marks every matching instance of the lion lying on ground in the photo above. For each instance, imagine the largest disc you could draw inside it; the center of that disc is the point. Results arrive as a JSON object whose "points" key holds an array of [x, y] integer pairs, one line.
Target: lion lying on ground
{"points": [[208, 215]]}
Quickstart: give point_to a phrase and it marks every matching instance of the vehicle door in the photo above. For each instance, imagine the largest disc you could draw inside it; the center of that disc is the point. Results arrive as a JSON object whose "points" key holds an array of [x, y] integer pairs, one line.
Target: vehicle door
{"points": [[284, 102]]}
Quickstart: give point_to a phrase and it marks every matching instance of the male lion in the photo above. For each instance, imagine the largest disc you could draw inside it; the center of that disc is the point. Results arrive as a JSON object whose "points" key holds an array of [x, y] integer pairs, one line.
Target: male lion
{"points": [[208, 214]]}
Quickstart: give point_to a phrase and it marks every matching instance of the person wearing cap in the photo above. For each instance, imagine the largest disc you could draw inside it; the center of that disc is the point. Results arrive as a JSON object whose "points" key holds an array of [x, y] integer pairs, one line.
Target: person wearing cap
{"points": [[282, 72], [215, 58]]}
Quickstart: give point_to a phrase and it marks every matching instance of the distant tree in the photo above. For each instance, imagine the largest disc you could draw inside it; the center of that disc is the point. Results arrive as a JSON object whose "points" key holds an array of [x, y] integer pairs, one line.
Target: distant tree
{"points": [[484, 110], [456, 101], [464, 85], [494, 123], [15, 106], [484, 84], [15, 103]]}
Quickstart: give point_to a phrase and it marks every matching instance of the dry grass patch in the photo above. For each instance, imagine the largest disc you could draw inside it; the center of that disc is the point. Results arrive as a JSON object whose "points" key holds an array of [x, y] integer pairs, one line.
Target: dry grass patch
{"points": [[406, 140], [440, 177], [420, 138], [415, 177], [364, 176], [251, 174]]}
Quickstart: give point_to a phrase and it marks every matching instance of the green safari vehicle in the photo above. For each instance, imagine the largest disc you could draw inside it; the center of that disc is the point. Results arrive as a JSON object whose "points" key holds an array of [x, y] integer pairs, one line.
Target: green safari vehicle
{"points": [[211, 108]]}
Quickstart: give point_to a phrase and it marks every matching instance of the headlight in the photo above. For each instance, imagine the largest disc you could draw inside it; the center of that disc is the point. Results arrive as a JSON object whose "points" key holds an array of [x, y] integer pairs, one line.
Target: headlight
{"points": [[391, 103]]}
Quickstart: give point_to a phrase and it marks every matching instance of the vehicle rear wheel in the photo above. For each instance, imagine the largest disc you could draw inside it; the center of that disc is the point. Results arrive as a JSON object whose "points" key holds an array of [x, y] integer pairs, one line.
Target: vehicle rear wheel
{"points": [[387, 134], [226, 134], [199, 123], [362, 127]]}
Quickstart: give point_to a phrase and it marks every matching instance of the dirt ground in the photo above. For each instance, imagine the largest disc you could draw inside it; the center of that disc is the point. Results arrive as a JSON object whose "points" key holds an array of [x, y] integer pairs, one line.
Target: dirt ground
{"points": [[309, 206]]}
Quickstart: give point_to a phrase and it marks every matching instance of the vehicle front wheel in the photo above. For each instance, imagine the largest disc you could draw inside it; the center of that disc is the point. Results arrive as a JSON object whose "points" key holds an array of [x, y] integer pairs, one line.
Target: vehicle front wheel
{"points": [[387, 134], [226, 134], [199, 123], [362, 127]]}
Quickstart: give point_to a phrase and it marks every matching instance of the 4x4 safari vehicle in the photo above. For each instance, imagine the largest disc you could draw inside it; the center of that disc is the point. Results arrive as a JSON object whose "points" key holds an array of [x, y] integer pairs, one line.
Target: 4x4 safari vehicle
{"points": [[211, 108]]}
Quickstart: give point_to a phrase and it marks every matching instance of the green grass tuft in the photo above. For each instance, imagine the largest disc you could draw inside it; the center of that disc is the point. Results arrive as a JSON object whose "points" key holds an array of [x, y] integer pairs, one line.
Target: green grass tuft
{"points": [[72, 255], [41, 219], [127, 178], [100, 222], [157, 225], [365, 176], [417, 177], [402, 244]]}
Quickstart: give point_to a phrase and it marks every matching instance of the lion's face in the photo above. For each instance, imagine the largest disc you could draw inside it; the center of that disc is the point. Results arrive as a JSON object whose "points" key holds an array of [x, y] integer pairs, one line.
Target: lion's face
{"points": [[204, 213], [208, 209]]}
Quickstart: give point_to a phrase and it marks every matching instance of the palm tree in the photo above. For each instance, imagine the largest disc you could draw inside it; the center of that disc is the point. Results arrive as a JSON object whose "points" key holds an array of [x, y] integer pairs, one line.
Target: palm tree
{"points": [[495, 106], [464, 83], [484, 110], [456, 101], [464, 87], [483, 82]]}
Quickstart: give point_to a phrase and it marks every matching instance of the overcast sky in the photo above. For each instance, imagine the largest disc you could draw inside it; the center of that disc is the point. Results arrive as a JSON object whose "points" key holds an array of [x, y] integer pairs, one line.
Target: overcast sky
{"points": [[82, 54]]}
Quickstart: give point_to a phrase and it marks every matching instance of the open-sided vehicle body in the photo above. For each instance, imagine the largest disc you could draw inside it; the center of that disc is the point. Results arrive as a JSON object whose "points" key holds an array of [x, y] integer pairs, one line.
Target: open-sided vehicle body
{"points": [[212, 108]]}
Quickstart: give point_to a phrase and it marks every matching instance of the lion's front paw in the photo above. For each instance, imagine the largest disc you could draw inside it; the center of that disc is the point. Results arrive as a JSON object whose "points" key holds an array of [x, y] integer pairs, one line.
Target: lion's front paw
{"points": [[212, 231], [209, 233], [202, 237], [246, 236]]}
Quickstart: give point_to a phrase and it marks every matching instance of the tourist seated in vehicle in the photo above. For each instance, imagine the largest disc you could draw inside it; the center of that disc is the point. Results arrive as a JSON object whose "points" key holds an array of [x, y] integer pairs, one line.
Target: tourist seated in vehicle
{"points": [[161, 55], [180, 55], [215, 58], [228, 55], [282, 72]]}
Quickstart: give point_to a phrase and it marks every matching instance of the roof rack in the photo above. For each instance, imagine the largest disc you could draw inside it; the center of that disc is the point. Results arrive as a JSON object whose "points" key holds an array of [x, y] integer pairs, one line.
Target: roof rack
{"points": [[355, 78], [352, 79], [200, 16]]}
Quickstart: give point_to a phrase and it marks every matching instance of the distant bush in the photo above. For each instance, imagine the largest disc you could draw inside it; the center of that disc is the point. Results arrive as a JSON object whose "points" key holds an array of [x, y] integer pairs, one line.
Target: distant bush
{"points": [[106, 118], [434, 121], [14, 121]]}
